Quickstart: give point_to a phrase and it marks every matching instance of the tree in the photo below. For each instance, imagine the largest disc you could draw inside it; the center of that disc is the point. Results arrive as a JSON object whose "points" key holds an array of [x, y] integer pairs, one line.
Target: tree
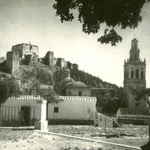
{"points": [[8, 88], [51, 97], [139, 93], [93, 13], [45, 77]]}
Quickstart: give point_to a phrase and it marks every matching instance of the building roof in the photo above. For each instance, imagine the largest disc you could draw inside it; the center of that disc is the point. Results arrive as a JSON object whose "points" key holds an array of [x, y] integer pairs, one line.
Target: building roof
{"points": [[45, 86], [134, 39], [128, 111], [75, 84], [67, 79], [67, 70]]}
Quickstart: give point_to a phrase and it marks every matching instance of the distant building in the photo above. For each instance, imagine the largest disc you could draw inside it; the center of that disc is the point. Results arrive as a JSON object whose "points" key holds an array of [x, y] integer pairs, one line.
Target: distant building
{"points": [[69, 87], [132, 116], [134, 77]]}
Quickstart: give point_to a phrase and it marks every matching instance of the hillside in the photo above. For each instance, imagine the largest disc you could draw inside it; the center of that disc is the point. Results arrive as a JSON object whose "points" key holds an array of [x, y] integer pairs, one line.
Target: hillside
{"points": [[88, 79], [47, 75]]}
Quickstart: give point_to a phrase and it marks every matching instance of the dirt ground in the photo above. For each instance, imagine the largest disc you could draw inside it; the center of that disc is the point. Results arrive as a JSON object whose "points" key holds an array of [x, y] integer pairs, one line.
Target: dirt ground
{"points": [[30, 140]]}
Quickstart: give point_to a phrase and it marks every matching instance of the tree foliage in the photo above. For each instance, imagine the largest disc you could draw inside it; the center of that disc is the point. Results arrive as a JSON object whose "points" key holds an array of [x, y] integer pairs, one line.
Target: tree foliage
{"points": [[86, 78], [90, 80], [51, 97], [93, 13], [8, 88], [41, 75], [139, 93]]}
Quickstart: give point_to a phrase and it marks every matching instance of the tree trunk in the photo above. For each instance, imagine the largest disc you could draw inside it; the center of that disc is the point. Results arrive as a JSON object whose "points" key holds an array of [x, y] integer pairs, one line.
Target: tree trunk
{"points": [[0, 115], [149, 132], [53, 117], [47, 111]]}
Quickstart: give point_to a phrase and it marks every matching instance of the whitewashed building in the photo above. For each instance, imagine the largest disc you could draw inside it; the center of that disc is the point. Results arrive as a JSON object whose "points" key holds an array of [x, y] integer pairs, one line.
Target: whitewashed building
{"points": [[12, 108], [71, 108]]}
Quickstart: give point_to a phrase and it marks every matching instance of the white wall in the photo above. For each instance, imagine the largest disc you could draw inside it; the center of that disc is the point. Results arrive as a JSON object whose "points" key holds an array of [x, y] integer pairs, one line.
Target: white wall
{"points": [[11, 108], [74, 107]]}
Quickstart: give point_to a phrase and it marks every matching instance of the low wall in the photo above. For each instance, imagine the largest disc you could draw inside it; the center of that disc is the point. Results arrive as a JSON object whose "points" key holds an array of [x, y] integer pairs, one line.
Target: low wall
{"points": [[105, 121], [132, 121], [70, 122]]}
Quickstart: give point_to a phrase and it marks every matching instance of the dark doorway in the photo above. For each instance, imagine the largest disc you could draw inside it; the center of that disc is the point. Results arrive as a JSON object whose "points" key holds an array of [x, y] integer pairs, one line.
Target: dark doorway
{"points": [[80, 93], [26, 114]]}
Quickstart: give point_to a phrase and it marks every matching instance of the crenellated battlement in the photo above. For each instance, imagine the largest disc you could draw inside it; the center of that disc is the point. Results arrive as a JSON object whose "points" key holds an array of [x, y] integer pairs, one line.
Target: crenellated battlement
{"points": [[26, 97], [65, 98], [77, 98], [25, 49]]}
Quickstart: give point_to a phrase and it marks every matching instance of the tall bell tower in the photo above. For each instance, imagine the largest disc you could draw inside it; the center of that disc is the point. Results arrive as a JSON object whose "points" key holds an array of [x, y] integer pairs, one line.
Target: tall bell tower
{"points": [[134, 77]]}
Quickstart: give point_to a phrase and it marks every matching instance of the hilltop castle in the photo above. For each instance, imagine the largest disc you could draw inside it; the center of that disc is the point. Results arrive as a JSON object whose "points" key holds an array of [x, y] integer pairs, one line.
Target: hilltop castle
{"points": [[29, 54]]}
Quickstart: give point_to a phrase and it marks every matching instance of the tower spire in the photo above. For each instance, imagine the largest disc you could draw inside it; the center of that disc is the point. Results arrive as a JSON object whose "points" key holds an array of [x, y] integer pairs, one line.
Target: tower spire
{"points": [[134, 52]]}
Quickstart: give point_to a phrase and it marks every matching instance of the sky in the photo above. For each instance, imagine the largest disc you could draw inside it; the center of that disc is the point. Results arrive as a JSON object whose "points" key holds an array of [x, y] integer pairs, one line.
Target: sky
{"points": [[35, 21]]}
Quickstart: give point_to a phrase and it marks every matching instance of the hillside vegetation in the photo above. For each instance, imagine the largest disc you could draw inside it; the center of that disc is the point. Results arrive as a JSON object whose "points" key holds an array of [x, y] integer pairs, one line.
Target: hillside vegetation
{"points": [[47, 75], [88, 79]]}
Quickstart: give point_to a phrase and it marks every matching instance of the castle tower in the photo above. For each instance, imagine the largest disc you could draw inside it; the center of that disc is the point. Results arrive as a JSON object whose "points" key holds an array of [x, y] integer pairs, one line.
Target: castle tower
{"points": [[134, 77], [49, 59], [25, 49], [61, 63], [12, 62]]}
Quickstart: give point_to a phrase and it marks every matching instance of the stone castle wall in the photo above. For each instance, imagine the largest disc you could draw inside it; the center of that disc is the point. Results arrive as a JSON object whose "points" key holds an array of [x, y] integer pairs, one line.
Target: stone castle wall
{"points": [[27, 53], [51, 61], [12, 62]]}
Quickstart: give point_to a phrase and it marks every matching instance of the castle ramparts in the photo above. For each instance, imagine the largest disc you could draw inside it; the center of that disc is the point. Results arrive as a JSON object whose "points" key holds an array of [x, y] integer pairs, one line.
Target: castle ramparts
{"points": [[26, 54]]}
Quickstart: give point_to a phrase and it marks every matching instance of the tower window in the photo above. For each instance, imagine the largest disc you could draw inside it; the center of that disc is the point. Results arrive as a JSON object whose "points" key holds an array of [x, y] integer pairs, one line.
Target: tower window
{"points": [[142, 74], [132, 73], [136, 45], [137, 73], [126, 74]]}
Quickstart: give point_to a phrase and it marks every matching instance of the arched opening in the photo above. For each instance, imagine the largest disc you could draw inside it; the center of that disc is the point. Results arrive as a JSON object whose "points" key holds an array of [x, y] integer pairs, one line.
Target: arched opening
{"points": [[142, 73], [80, 93], [137, 73], [136, 45], [132, 73], [127, 74]]}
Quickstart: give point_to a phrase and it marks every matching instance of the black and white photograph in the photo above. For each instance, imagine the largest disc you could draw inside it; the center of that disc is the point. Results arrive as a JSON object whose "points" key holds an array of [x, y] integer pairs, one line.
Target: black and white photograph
{"points": [[75, 74]]}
